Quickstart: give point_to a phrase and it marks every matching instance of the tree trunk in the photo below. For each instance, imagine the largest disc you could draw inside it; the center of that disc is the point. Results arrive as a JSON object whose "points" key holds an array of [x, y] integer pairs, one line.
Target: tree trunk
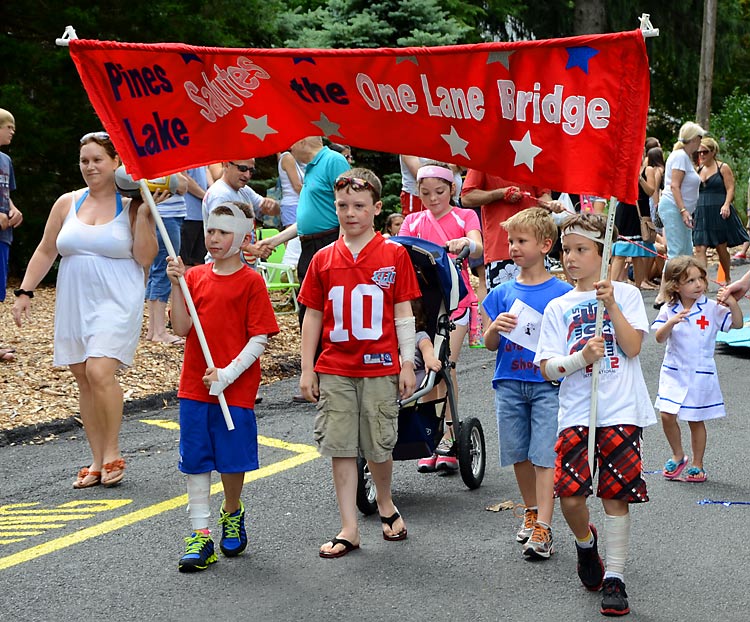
{"points": [[590, 17], [706, 75]]}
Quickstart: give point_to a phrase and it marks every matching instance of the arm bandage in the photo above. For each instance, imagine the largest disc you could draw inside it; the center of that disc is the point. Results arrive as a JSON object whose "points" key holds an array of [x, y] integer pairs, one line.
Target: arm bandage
{"points": [[407, 337], [242, 362], [560, 366]]}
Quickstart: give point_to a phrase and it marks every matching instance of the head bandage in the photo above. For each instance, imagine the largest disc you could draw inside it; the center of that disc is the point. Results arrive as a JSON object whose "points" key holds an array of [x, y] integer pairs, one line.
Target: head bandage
{"points": [[435, 171], [236, 223], [596, 236]]}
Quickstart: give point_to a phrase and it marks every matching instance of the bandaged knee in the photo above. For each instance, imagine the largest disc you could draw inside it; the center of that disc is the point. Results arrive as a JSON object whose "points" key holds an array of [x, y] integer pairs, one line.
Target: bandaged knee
{"points": [[616, 537], [241, 363], [199, 491], [407, 337], [236, 223]]}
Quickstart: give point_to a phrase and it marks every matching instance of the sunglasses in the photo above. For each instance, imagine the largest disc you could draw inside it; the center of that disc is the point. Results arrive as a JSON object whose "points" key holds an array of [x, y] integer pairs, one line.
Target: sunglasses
{"points": [[94, 136], [242, 168], [355, 183], [703, 152]]}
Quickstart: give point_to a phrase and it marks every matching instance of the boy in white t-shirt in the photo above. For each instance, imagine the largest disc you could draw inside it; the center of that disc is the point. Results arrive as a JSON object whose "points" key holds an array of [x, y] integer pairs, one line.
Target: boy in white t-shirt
{"points": [[567, 348]]}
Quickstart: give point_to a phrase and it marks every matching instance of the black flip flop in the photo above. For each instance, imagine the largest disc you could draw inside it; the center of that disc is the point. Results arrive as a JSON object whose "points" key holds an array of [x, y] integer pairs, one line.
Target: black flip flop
{"points": [[401, 535], [348, 548]]}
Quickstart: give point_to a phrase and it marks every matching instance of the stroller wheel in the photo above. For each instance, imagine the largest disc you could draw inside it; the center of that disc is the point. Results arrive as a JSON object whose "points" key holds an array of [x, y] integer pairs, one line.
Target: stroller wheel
{"points": [[471, 452], [366, 493]]}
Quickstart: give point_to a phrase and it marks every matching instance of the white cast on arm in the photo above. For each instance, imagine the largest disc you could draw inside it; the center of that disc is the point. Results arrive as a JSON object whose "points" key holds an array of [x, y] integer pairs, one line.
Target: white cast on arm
{"points": [[250, 353], [407, 337], [559, 366]]}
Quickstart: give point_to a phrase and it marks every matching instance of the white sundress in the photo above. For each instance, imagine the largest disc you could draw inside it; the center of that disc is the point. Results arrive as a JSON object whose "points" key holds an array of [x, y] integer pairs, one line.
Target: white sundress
{"points": [[100, 290]]}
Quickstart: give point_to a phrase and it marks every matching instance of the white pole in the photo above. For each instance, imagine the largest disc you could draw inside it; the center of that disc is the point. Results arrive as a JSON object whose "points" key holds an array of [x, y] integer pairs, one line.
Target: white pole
{"points": [[188, 298], [606, 254]]}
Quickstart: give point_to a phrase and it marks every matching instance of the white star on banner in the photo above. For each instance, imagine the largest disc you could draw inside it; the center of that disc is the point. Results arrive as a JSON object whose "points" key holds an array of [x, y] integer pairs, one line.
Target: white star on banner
{"points": [[499, 57], [456, 143], [258, 127], [328, 127], [526, 151]]}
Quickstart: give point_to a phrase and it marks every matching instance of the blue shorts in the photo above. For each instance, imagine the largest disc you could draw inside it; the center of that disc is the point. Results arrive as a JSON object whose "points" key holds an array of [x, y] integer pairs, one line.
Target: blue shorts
{"points": [[206, 445], [527, 421], [4, 255], [158, 286]]}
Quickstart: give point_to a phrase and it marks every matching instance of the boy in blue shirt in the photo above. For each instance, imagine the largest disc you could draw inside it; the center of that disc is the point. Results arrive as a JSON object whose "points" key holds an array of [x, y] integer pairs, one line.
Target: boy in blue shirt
{"points": [[526, 404]]}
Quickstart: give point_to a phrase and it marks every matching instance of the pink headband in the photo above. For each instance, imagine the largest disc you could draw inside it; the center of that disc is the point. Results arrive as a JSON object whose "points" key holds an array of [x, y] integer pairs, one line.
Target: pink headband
{"points": [[435, 171]]}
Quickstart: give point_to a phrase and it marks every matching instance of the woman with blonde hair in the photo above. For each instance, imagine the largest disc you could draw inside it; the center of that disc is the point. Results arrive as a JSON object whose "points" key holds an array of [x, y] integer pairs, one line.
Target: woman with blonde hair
{"points": [[680, 195], [716, 222]]}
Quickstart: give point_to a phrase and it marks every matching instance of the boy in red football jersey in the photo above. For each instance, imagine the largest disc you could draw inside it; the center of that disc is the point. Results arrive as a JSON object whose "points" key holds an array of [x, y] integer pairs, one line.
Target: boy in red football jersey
{"points": [[357, 292]]}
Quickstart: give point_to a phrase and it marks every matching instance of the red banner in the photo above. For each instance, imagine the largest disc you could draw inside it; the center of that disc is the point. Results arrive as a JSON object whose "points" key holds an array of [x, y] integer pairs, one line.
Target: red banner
{"points": [[568, 114]]}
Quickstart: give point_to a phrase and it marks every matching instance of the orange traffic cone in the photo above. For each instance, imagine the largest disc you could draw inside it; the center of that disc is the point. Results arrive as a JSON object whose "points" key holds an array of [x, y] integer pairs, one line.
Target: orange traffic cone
{"points": [[721, 277]]}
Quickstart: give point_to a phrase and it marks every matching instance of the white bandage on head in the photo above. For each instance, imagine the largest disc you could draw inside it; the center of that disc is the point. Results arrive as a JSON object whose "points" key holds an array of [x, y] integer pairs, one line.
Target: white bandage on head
{"points": [[242, 362], [236, 223], [406, 333], [596, 236]]}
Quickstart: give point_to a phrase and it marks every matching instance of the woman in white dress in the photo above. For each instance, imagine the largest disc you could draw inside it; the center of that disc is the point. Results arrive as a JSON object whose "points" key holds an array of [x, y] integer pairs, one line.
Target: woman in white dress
{"points": [[106, 241]]}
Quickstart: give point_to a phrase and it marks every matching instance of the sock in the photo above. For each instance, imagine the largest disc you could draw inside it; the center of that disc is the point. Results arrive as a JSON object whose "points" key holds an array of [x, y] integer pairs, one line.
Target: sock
{"points": [[587, 542], [617, 534], [199, 490]]}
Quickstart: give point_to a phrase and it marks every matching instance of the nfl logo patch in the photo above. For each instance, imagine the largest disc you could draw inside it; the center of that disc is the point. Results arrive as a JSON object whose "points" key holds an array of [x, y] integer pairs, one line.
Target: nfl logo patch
{"points": [[384, 277]]}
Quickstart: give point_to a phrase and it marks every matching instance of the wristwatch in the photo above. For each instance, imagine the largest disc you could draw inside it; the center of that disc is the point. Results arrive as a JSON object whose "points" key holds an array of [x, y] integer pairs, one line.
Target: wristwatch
{"points": [[23, 292]]}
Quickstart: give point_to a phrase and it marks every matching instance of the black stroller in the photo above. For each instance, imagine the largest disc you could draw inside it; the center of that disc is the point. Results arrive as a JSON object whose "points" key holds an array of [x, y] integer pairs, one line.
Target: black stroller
{"points": [[421, 424]]}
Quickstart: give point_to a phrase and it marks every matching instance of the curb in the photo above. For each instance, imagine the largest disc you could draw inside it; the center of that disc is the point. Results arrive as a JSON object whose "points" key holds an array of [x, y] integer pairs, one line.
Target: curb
{"points": [[61, 426]]}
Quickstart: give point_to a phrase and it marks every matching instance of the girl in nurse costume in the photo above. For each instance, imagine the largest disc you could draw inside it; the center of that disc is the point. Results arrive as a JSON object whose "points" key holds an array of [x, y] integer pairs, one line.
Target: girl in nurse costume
{"points": [[688, 383]]}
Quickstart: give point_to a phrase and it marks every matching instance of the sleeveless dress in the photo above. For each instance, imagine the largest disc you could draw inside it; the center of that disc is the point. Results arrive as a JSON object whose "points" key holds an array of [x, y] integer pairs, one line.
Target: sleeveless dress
{"points": [[100, 289], [710, 228], [628, 222]]}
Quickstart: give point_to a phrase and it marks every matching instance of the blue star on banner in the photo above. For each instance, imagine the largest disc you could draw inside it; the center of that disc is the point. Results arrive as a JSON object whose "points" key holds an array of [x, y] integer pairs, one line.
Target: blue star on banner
{"points": [[580, 57], [188, 57], [304, 59]]}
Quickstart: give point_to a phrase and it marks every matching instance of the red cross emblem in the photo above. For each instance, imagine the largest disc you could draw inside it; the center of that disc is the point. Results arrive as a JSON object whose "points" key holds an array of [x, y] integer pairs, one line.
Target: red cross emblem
{"points": [[703, 322]]}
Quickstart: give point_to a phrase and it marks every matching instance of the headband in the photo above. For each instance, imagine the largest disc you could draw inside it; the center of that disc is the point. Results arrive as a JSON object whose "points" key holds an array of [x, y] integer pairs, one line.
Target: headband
{"points": [[596, 236], [236, 223], [435, 171]]}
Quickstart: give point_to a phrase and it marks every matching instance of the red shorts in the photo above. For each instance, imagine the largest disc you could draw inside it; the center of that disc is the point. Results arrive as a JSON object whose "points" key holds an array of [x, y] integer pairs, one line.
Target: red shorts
{"points": [[410, 203], [618, 461]]}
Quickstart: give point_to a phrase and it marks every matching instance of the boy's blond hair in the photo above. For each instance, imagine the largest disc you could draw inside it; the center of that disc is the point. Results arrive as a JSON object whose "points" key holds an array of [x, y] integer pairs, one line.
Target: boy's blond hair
{"points": [[365, 174], [6, 117], [596, 223], [676, 270], [534, 219]]}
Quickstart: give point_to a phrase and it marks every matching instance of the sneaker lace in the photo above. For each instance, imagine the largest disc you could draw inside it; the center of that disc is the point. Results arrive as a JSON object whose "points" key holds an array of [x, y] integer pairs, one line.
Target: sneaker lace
{"points": [[529, 519], [231, 525], [541, 534], [195, 543], [445, 444]]}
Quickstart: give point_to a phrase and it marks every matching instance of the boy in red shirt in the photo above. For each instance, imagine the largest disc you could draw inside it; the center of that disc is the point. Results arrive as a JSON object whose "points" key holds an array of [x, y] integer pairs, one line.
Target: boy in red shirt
{"points": [[229, 291], [357, 292]]}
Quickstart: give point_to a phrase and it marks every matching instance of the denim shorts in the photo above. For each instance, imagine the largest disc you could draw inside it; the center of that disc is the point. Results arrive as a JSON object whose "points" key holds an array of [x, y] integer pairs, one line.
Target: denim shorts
{"points": [[527, 421], [158, 286]]}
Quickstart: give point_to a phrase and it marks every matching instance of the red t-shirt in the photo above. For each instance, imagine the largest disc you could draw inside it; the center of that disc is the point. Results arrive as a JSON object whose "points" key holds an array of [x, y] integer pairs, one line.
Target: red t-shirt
{"points": [[232, 309], [495, 238], [357, 299]]}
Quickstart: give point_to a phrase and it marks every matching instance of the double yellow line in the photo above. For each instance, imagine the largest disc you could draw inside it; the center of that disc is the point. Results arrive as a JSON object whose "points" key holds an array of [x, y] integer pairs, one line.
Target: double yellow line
{"points": [[303, 454]]}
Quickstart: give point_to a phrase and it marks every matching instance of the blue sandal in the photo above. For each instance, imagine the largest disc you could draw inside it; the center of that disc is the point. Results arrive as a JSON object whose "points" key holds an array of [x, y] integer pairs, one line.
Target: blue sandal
{"points": [[673, 469]]}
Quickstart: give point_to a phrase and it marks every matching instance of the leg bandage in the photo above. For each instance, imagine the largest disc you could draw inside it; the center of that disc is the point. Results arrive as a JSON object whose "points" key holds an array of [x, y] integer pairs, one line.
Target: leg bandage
{"points": [[616, 536], [242, 362], [199, 490]]}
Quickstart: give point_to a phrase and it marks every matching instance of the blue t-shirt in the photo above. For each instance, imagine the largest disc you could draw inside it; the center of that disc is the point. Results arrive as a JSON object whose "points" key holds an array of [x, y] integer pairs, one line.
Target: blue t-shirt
{"points": [[515, 362], [316, 211], [7, 185], [194, 205]]}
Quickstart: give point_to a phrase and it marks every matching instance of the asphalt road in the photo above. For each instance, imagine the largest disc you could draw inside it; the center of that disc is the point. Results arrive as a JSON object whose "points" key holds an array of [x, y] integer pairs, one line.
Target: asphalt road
{"points": [[111, 554]]}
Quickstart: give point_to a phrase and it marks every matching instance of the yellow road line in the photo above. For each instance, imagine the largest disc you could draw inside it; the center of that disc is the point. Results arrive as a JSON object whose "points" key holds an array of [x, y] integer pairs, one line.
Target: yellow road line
{"points": [[306, 453]]}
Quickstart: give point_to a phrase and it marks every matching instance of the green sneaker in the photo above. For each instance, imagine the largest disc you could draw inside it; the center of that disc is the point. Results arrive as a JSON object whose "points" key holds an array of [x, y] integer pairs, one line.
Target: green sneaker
{"points": [[199, 553], [233, 536]]}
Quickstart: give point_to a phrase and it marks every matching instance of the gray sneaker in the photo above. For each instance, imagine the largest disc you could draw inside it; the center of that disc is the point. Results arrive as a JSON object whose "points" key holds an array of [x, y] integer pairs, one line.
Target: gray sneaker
{"points": [[527, 527], [539, 545]]}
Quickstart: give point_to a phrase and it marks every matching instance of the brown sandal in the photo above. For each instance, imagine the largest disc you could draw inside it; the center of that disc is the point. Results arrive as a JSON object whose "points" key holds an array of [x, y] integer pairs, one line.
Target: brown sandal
{"points": [[118, 468], [87, 479]]}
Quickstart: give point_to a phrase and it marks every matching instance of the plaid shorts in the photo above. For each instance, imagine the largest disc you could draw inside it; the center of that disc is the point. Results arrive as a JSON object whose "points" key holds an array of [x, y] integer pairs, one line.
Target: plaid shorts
{"points": [[618, 461]]}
